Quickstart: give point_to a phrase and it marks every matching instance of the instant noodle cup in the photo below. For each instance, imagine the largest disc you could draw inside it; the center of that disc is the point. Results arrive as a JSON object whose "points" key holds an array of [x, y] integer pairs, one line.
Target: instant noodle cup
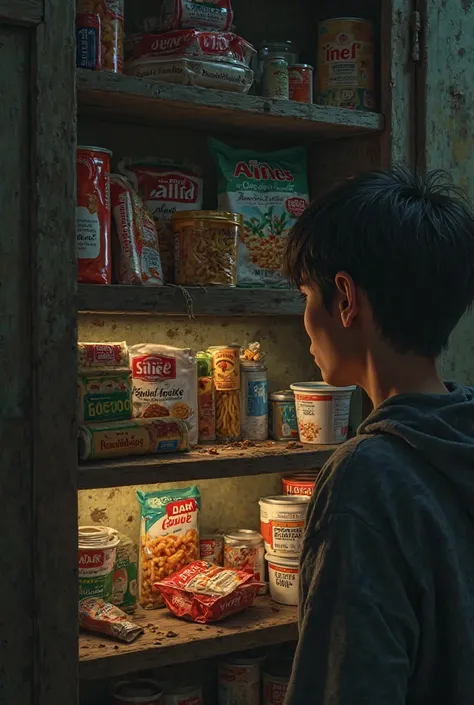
{"points": [[97, 550], [322, 412], [284, 578], [282, 522]]}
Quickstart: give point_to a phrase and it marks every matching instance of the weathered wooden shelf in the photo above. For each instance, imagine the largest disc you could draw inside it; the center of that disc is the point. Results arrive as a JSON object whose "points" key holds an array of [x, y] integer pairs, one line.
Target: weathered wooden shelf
{"points": [[190, 301], [260, 459], [128, 99], [168, 640]]}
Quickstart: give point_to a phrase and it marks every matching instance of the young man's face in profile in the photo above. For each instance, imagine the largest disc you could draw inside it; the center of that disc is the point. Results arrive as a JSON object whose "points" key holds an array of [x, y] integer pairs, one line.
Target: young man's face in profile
{"points": [[334, 338]]}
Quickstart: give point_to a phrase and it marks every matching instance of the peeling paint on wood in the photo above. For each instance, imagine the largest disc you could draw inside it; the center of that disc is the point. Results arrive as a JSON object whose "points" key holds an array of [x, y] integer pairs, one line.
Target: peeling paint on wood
{"points": [[449, 133]]}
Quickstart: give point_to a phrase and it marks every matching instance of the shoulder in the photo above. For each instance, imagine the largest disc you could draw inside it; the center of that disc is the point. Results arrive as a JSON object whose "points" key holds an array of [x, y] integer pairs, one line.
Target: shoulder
{"points": [[367, 477]]}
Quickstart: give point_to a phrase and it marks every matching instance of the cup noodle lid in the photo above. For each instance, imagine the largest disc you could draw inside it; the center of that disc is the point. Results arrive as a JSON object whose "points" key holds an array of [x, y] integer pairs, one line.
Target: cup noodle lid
{"points": [[320, 387]]}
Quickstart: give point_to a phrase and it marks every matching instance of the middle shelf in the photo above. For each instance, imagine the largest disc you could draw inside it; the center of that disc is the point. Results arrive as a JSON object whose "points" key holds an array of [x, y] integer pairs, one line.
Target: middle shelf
{"points": [[197, 301], [235, 460]]}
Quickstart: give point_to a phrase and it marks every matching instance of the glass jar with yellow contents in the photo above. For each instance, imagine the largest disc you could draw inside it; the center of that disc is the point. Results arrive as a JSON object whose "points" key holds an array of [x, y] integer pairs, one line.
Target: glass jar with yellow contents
{"points": [[206, 247]]}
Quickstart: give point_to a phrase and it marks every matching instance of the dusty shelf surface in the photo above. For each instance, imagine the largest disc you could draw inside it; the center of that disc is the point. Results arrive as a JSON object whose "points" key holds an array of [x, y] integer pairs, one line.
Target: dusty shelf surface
{"points": [[168, 640], [189, 301], [126, 98], [235, 460]]}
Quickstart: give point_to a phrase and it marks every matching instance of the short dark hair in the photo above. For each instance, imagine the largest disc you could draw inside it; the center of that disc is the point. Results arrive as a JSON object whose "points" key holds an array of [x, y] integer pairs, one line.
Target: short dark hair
{"points": [[407, 240]]}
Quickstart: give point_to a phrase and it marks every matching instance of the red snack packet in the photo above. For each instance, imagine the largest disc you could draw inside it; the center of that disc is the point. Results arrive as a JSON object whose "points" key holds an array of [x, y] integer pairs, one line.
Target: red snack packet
{"points": [[95, 615], [203, 592]]}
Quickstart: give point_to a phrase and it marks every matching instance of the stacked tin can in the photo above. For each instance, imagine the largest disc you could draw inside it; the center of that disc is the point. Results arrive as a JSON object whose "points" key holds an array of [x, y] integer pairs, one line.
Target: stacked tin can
{"points": [[282, 523]]}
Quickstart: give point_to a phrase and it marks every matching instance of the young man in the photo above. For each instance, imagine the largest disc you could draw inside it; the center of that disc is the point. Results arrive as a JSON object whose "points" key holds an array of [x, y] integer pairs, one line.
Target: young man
{"points": [[386, 264]]}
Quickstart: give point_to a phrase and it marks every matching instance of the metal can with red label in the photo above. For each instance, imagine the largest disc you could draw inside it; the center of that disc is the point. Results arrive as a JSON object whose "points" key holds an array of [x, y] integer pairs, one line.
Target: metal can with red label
{"points": [[244, 550], [211, 548], [137, 692], [274, 689], [88, 39], [182, 695], [239, 681], [300, 484], [300, 82], [93, 215]]}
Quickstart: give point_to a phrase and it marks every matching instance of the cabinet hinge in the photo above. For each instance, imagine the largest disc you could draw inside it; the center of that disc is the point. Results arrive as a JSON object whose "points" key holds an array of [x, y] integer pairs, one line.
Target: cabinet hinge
{"points": [[415, 35]]}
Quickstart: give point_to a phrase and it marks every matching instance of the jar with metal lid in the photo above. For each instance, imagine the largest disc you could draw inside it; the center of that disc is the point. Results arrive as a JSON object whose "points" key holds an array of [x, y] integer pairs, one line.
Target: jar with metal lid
{"points": [[244, 550], [300, 82], [275, 80], [283, 425], [206, 247], [254, 400], [280, 50]]}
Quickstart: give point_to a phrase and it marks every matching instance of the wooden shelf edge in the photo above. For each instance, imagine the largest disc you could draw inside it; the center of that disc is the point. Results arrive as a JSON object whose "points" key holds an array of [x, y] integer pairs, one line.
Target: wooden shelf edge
{"points": [[189, 301], [265, 624], [168, 102], [197, 465]]}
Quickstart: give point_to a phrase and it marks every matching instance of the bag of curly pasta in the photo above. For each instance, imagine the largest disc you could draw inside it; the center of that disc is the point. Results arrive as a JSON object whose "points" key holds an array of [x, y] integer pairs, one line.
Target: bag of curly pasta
{"points": [[169, 538], [270, 191], [164, 383]]}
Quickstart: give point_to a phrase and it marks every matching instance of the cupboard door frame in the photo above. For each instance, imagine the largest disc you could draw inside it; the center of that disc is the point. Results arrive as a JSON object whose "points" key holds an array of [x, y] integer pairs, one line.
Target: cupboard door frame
{"points": [[38, 483]]}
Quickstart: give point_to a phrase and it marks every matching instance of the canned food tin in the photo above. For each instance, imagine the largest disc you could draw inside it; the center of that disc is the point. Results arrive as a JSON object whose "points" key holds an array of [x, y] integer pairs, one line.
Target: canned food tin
{"points": [[283, 425], [182, 695], [275, 681], [137, 692], [239, 682], [243, 550], [226, 366], [254, 400], [88, 40], [211, 547], [282, 522], [97, 551], [275, 78], [345, 75], [300, 82], [300, 484], [93, 215]]}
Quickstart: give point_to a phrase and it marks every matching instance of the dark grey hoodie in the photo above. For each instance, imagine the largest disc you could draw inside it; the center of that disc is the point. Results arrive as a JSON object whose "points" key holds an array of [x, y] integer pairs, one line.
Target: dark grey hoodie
{"points": [[387, 577]]}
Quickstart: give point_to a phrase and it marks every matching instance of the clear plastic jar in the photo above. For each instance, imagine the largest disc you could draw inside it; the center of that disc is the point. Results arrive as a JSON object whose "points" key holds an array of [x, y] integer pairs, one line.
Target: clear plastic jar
{"points": [[206, 247]]}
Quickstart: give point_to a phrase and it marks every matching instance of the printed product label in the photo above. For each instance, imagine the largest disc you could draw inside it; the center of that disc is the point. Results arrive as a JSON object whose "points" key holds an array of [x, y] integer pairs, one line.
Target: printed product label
{"points": [[87, 234], [257, 398], [323, 418], [264, 188], [284, 577], [124, 581], [96, 567]]}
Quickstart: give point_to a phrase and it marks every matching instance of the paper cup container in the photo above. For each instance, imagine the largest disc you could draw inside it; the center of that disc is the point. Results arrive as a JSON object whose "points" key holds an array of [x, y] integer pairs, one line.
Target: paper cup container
{"points": [[322, 412], [284, 578]]}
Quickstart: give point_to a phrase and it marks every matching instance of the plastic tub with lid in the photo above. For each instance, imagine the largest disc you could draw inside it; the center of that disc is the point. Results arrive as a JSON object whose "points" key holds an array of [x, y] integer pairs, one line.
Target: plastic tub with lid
{"points": [[322, 412]]}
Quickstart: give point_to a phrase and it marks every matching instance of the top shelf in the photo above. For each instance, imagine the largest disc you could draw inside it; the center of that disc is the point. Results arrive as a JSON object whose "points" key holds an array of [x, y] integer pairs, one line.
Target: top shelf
{"points": [[129, 99]]}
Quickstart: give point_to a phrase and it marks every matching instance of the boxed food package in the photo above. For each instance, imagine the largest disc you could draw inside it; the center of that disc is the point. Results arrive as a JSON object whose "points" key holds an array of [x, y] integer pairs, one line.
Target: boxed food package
{"points": [[169, 538], [115, 439], [270, 191], [165, 384], [101, 355], [104, 395]]}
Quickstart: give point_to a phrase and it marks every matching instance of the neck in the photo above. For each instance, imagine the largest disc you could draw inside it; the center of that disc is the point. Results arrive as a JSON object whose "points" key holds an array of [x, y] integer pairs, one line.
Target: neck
{"points": [[390, 373]]}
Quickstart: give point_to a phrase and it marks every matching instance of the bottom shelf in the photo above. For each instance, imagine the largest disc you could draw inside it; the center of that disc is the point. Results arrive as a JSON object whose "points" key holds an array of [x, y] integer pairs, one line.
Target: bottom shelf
{"points": [[168, 640]]}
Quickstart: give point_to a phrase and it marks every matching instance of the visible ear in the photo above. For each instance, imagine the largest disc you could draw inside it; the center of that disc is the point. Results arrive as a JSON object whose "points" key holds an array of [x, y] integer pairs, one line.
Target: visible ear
{"points": [[348, 304]]}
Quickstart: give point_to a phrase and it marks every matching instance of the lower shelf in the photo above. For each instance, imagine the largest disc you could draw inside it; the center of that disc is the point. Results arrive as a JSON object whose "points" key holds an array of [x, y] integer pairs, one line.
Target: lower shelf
{"points": [[168, 640]]}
